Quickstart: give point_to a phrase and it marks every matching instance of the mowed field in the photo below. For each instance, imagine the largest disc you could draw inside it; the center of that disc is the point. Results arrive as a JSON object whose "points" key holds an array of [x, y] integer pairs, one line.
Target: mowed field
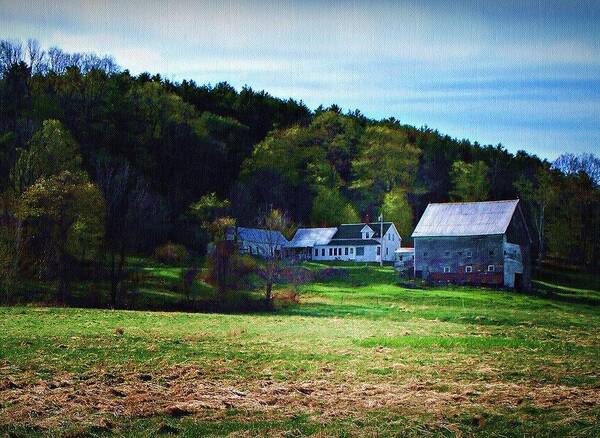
{"points": [[359, 357]]}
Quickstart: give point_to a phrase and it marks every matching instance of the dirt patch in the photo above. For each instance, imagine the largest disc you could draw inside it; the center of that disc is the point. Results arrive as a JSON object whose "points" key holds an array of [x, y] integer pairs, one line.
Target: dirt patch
{"points": [[103, 396]]}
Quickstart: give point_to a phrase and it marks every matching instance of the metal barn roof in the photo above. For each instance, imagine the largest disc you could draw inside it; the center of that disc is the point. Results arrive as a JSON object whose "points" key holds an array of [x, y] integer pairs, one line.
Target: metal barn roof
{"points": [[466, 219], [259, 235], [309, 237]]}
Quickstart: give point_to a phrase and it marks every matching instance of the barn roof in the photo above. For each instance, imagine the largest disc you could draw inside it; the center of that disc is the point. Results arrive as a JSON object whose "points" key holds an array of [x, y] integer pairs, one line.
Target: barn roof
{"points": [[466, 219], [258, 235], [309, 237]]}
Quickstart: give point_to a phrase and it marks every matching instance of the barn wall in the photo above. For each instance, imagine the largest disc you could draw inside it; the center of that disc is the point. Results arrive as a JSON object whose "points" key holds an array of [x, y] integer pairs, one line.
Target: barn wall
{"points": [[513, 263], [433, 254], [518, 234]]}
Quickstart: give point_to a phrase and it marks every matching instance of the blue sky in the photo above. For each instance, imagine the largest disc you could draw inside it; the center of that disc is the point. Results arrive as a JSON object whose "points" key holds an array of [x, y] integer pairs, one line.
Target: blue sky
{"points": [[522, 73]]}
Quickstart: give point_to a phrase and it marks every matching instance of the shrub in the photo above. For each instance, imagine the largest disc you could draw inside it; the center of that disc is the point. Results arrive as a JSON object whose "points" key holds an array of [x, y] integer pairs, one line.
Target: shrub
{"points": [[229, 270], [170, 253]]}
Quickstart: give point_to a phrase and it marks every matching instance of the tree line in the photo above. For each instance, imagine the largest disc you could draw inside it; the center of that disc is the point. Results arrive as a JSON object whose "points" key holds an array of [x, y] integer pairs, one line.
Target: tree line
{"points": [[97, 164]]}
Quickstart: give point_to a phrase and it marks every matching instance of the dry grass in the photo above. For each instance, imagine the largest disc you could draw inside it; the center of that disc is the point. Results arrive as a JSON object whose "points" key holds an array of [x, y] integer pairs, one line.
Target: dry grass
{"points": [[102, 397]]}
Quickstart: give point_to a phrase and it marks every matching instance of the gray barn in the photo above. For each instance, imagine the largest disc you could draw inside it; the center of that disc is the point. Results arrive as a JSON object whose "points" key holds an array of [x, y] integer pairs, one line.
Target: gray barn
{"points": [[473, 243]]}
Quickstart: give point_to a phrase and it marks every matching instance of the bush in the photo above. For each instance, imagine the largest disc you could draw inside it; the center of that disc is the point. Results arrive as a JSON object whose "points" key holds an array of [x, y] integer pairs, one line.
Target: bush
{"points": [[228, 270], [170, 253]]}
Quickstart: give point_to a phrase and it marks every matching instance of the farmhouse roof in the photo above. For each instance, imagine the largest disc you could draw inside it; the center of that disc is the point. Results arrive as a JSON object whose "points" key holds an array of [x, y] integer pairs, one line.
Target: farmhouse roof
{"points": [[353, 231], [309, 237], [352, 242], [259, 235], [466, 219]]}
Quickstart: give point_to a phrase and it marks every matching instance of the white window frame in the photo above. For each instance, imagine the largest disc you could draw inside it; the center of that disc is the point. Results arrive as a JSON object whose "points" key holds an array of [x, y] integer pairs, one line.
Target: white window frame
{"points": [[469, 254], [446, 269], [491, 268], [468, 269]]}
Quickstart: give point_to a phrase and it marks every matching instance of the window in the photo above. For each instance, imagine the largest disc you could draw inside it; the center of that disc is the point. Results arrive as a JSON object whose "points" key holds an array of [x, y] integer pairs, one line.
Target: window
{"points": [[469, 253], [447, 253], [360, 251], [386, 251], [491, 268], [379, 250], [322, 252], [389, 237], [446, 269], [491, 252], [425, 254], [316, 252], [330, 252], [351, 250], [468, 269], [346, 251]]}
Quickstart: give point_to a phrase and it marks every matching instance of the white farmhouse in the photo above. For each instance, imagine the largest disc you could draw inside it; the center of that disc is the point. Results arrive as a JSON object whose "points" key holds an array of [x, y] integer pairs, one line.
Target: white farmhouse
{"points": [[360, 243]]}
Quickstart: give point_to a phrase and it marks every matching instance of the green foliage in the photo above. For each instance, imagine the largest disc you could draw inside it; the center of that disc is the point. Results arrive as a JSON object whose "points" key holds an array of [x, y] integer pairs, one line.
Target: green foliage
{"points": [[189, 140], [209, 207], [71, 209], [387, 160], [331, 209], [398, 210], [470, 181], [51, 150]]}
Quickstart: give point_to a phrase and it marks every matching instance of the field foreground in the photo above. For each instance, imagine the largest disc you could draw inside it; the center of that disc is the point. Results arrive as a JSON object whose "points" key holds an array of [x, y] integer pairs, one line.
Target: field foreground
{"points": [[355, 357]]}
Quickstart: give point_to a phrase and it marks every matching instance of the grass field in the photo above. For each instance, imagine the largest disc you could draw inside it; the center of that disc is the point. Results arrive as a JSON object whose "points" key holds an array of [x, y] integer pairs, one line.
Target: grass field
{"points": [[361, 356]]}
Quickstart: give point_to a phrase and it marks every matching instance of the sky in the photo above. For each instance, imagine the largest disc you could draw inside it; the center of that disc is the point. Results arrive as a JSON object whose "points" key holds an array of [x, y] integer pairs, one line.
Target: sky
{"points": [[522, 73]]}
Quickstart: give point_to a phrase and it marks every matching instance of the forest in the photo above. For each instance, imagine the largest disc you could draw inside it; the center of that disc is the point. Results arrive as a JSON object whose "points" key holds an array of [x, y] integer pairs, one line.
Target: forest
{"points": [[97, 165]]}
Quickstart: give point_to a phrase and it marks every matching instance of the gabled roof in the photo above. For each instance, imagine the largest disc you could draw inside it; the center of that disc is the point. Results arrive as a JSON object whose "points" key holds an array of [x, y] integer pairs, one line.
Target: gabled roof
{"points": [[309, 237], [258, 235], [353, 242], [353, 231], [466, 219]]}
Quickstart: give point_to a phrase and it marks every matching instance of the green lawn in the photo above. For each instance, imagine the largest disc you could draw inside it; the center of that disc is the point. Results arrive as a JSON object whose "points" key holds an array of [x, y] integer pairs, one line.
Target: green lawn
{"points": [[360, 356]]}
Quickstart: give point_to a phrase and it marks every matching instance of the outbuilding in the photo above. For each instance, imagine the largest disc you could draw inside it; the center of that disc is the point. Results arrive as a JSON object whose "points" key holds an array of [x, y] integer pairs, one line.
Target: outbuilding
{"points": [[257, 241]]}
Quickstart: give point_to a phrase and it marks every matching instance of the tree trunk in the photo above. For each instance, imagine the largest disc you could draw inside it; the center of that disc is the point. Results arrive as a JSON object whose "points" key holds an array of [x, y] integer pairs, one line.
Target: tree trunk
{"points": [[63, 276], [113, 280], [269, 289]]}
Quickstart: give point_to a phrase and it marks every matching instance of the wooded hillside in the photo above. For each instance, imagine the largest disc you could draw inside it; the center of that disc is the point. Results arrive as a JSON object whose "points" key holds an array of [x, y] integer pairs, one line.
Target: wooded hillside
{"points": [[98, 163]]}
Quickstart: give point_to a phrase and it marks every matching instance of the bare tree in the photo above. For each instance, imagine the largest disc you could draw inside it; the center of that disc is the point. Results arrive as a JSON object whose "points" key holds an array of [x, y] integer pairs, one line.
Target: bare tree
{"points": [[11, 52], [36, 57], [275, 223], [571, 164]]}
